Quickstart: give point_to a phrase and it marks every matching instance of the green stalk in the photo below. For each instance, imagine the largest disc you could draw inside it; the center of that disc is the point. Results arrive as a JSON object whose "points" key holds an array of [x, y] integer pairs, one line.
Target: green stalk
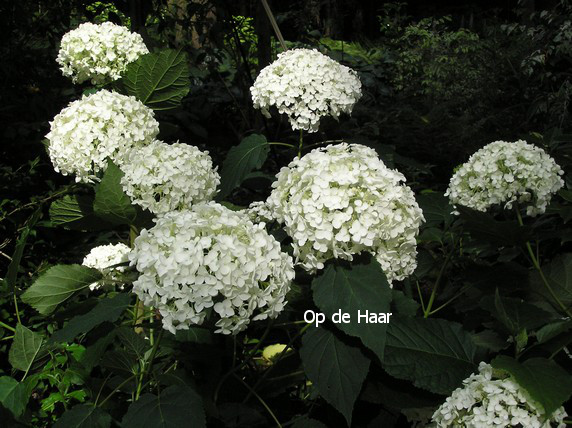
{"points": [[427, 310], [300, 143]]}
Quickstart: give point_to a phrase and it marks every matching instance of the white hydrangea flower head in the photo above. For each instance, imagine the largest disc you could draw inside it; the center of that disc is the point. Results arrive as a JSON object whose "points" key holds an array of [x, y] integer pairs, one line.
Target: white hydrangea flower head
{"points": [[341, 200], [99, 52], [306, 85], [259, 212], [211, 257], [505, 173], [164, 178], [489, 400], [96, 127], [104, 258]]}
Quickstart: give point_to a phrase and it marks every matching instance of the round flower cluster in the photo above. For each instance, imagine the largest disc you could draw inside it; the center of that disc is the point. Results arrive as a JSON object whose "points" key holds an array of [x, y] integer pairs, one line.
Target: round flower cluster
{"points": [[211, 257], [340, 200], [99, 52], [101, 125], [505, 173], [103, 258], [489, 400], [306, 85], [164, 178]]}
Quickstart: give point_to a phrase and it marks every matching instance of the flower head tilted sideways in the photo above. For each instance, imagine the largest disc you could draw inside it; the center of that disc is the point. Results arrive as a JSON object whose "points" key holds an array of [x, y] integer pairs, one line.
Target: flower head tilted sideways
{"points": [[505, 173], [340, 200], [211, 257], [306, 85], [104, 258], [164, 178], [99, 52], [96, 127], [488, 399]]}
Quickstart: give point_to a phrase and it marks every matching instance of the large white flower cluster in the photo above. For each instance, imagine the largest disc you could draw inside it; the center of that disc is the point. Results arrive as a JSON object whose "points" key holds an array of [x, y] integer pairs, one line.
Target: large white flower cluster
{"points": [[99, 52], [164, 178], [306, 85], [211, 257], [101, 125], [104, 258], [505, 173], [340, 200], [487, 400]]}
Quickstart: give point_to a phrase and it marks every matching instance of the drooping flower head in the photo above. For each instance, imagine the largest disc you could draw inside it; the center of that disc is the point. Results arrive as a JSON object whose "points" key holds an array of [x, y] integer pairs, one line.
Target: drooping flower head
{"points": [[306, 85], [505, 173], [96, 127], [99, 52], [164, 178], [211, 257], [489, 399], [105, 258], [340, 200]]}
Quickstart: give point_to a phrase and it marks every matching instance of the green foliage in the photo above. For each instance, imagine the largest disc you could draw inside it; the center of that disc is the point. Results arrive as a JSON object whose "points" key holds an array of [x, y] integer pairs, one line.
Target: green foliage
{"points": [[25, 348], [75, 212], [13, 395], [111, 203], [84, 416], [159, 80]]}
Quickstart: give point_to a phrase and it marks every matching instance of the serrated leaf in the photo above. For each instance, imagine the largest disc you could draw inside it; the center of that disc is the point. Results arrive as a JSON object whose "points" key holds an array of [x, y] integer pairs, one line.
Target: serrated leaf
{"points": [[25, 348], [13, 395], [106, 310], [75, 212], [483, 226], [111, 203], [403, 305], [357, 288], [336, 369], [552, 330], [57, 285], [434, 354], [559, 275], [240, 161], [544, 380], [436, 209], [84, 416], [160, 80], [176, 406], [133, 342]]}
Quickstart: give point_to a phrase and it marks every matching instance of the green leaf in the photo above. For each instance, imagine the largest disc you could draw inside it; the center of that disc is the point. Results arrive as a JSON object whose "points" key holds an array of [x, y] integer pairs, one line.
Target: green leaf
{"points": [[75, 212], [545, 381], [93, 353], [13, 395], [490, 340], [402, 304], [106, 310], [57, 285], [436, 209], [241, 160], [434, 354], [12, 272], [308, 423], [336, 369], [483, 226], [194, 335], [176, 406], [160, 80], [111, 203], [552, 330], [133, 342], [559, 275], [24, 349], [359, 288], [84, 416]]}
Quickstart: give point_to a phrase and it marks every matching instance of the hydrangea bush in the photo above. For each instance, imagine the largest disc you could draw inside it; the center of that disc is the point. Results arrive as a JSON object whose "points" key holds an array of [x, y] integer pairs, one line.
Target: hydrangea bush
{"points": [[489, 399], [506, 173], [98, 127], [211, 257], [99, 53], [164, 178], [306, 85]]}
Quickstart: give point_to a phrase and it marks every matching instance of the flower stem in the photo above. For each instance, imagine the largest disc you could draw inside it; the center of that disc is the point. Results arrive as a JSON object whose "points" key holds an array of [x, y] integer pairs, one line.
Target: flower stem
{"points": [[6, 326], [536, 265], [427, 311], [300, 144]]}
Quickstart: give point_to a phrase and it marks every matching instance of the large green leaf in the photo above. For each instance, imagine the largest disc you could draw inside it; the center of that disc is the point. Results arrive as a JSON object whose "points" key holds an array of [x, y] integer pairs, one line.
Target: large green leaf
{"points": [[25, 347], [111, 203], [241, 160], [160, 80], [483, 226], [57, 285], [106, 310], [176, 406], [434, 354], [436, 209], [84, 416], [13, 395], [12, 273], [336, 369], [76, 212], [559, 275], [356, 289], [546, 382]]}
